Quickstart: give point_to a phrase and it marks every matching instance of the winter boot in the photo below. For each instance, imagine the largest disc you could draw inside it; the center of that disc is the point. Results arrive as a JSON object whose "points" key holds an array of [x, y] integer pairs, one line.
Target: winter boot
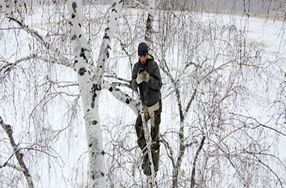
{"points": [[155, 157], [146, 165]]}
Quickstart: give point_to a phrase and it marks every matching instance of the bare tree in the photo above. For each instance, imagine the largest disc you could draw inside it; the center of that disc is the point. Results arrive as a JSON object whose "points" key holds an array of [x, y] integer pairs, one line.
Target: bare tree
{"points": [[90, 78], [208, 134], [204, 94]]}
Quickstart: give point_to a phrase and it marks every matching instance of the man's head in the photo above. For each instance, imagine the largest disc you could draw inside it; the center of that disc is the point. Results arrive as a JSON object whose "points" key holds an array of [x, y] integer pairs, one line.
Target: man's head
{"points": [[142, 52]]}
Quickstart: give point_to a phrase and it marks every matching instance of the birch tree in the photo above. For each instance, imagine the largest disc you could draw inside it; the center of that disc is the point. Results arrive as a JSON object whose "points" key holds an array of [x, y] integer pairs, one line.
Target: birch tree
{"points": [[90, 78], [206, 68]]}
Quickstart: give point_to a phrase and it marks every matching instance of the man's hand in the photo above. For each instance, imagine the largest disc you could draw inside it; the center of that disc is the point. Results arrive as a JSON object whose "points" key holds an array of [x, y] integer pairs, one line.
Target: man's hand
{"points": [[143, 76]]}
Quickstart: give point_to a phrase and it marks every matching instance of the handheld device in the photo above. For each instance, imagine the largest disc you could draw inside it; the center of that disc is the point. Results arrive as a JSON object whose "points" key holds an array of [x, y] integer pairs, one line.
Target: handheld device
{"points": [[141, 69]]}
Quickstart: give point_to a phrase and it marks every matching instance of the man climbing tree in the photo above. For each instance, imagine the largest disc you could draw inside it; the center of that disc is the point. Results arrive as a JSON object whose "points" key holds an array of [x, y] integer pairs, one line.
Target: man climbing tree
{"points": [[146, 76]]}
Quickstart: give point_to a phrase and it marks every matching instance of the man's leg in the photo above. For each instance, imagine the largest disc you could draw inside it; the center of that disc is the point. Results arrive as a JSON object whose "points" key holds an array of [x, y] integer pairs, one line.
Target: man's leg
{"points": [[140, 133], [155, 134], [142, 144]]}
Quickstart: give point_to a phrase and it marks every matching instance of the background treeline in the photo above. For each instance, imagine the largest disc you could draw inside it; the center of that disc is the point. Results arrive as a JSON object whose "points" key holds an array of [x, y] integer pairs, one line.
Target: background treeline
{"points": [[272, 8]]}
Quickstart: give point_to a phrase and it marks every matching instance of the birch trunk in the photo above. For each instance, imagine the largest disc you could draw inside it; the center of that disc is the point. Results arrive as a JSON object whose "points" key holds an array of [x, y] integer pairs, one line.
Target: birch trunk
{"points": [[90, 81], [149, 23]]}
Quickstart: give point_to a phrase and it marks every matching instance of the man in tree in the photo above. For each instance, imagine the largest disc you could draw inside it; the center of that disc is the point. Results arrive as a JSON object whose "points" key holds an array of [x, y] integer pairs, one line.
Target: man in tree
{"points": [[146, 76]]}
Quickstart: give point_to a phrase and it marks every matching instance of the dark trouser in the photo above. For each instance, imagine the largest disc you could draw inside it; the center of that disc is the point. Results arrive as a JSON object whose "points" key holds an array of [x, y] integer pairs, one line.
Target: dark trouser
{"points": [[154, 114]]}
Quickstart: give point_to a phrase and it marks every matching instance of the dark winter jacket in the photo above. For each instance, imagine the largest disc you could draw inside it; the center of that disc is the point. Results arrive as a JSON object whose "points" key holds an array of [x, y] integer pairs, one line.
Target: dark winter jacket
{"points": [[150, 92]]}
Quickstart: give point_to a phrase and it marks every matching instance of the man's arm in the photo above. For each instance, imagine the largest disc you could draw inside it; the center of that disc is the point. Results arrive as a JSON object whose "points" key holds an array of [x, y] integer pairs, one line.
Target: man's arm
{"points": [[155, 81], [133, 83]]}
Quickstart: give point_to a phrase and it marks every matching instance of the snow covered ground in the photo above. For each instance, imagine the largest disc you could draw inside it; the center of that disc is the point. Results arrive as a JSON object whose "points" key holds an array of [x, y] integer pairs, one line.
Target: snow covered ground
{"points": [[58, 130]]}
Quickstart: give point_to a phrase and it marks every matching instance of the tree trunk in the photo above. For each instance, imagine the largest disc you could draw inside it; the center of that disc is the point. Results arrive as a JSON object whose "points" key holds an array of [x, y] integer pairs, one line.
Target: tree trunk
{"points": [[90, 80], [90, 96]]}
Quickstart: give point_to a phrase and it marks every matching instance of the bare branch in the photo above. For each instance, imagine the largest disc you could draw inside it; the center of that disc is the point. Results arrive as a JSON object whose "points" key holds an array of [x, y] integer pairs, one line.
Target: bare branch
{"points": [[8, 129], [169, 150], [53, 51], [270, 169], [193, 182], [121, 96], [259, 124], [12, 166]]}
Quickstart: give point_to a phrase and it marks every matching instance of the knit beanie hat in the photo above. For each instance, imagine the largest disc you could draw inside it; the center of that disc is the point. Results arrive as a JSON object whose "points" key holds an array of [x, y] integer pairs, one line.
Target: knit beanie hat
{"points": [[142, 49]]}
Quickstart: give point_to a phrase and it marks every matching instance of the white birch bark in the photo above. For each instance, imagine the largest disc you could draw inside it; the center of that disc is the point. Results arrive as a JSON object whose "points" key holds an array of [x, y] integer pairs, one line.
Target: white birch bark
{"points": [[90, 83], [123, 97], [105, 45], [149, 23], [89, 95], [90, 80]]}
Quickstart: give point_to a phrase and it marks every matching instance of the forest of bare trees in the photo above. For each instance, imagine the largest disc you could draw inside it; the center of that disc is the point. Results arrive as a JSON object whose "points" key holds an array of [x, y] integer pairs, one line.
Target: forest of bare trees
{"points": [[67, 110], [262, 8]]}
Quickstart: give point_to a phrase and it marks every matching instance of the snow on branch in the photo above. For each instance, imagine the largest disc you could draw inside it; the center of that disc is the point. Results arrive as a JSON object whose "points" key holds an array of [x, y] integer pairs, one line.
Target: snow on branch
{"points": [[123, 97], [8, 129]]}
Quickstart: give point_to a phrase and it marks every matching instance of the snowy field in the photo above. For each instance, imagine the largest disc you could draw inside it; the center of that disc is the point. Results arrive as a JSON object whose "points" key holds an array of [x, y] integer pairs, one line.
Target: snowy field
{"points": [[41, 102]]}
